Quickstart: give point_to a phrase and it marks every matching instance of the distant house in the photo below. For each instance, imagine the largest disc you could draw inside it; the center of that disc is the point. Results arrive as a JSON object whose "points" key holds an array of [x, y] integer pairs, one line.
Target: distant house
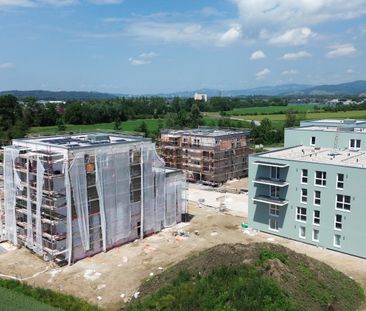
{"points": [[57, 102], [200, 97]]}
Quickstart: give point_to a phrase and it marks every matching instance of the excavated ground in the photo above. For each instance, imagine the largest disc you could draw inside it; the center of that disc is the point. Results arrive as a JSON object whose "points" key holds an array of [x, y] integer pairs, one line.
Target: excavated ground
{"points": [[109, 279]]}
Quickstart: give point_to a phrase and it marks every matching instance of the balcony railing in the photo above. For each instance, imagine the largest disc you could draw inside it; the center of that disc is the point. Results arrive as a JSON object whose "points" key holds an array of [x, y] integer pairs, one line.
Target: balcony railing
{"points": [[270, 200], [272, 164], [271, 182]]}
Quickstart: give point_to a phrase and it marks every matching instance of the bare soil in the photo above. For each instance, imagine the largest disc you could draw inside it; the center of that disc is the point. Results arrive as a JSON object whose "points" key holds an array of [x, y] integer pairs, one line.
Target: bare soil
{"points": [[109, 279]]}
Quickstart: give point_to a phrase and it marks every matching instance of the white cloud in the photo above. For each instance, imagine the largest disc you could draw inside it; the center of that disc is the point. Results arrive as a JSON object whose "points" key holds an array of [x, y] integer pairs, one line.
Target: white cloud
{"points": [[210, 11], [230, 36], [20, 3], [284, 14], [143, 59], [257, 55], [138, 62], [148, 55], [58, 3], [341, 51], [262, 74], [106, 1], [289, 72], [295, 56], [350, 71], [6, 65], [296, 36], [184, 33]]}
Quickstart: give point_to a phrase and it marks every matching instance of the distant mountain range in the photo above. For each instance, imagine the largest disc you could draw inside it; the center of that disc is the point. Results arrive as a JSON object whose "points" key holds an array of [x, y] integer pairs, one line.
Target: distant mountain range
{"points": [[350, 88], [59, 95]]}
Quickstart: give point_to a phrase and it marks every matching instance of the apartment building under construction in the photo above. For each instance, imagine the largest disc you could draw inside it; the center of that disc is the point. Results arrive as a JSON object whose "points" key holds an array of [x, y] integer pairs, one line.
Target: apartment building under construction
{"points": [[74, 196], [211, 156]]}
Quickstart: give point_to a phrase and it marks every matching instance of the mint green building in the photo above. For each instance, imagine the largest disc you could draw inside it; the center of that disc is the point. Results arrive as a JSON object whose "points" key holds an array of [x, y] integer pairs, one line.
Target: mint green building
{"points": [[314, 189]]}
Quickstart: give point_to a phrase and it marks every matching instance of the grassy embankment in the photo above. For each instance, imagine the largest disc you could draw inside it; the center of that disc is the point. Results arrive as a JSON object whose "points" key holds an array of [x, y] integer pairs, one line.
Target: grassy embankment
{"points": [[258, 276], [17, 296]]}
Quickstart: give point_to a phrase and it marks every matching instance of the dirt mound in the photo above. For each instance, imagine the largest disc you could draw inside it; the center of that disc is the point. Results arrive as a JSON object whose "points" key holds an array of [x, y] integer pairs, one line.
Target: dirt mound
{"points": [[309, 284]]}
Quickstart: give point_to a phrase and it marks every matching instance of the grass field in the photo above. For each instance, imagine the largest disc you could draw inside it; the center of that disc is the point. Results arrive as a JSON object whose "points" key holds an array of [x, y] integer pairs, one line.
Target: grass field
{"points": [[18, 296], [13, 301], [271, 109], [361, 114], [127, 126]]}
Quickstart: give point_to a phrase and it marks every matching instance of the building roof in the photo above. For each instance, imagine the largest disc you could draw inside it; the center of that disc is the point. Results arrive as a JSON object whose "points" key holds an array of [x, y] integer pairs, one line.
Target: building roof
{"points": [[318, 155], [80, 140], [205, 132]]}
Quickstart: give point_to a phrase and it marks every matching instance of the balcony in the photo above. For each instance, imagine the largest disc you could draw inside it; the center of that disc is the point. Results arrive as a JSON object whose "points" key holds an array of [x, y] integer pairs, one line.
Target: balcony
{"points": [[271, 182], [270, 200], [272, 164]]}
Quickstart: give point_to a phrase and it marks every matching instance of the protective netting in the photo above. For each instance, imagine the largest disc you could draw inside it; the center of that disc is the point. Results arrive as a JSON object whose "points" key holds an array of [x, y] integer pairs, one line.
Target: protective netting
{"points": [[12, 183], [160, 191], [30, 241], [40, 182], [113, 187], [80, 198], [80, 202], [68, 211], [148, 189]]}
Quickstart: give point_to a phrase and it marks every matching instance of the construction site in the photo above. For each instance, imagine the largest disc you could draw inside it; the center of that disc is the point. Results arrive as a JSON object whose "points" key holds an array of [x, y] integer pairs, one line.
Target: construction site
{"points": [[210, 156], [71, 197]]}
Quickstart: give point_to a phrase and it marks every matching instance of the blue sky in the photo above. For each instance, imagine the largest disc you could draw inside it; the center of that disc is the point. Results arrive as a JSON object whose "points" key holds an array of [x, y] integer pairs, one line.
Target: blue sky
{"points": [[151, 46]]}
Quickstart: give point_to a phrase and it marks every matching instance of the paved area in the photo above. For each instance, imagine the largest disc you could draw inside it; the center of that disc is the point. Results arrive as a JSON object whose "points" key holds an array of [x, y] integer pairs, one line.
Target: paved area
{"points": [[205, 196]]}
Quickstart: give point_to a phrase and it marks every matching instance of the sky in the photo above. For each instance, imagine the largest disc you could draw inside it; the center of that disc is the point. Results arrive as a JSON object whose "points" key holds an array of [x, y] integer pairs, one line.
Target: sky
{"points": [[162, 46]]}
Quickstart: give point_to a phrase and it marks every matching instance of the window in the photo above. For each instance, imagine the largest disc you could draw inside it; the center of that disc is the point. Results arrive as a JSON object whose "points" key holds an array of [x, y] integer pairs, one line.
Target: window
{"points": [[320, 178], [304, 195], [275, 173], [355, 144], [274, 210], [274, 191], [316, 197], [273, 224], [343, 202], [312, 142], [301, 214], [338, 222], [315, 235], [337, 240], [340, 181], [316, 217], [304, 176], [302, 232]]}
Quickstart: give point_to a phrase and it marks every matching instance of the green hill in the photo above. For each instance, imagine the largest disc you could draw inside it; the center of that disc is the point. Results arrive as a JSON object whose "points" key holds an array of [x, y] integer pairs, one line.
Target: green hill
{"points": [[259, 276]]}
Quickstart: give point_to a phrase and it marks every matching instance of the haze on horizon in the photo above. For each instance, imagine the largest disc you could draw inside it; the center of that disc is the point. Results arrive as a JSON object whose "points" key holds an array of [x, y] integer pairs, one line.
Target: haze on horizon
{"points": [[141, 46]]}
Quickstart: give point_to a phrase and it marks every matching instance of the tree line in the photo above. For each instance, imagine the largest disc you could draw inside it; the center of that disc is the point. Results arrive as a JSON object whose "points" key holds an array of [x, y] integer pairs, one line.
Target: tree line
{"points": [[16, 117]]}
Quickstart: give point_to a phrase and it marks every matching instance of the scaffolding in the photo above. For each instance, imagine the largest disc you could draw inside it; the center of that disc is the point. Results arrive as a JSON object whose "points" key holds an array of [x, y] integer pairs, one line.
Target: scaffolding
{"points": [[207, 155], [67, 198]]}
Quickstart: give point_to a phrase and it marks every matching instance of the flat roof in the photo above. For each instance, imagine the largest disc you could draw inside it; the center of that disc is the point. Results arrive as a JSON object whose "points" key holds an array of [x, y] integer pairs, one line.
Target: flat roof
{"points": [[76, 141], [319, 155], [332, 125], [208, 132], [356, 129]]}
